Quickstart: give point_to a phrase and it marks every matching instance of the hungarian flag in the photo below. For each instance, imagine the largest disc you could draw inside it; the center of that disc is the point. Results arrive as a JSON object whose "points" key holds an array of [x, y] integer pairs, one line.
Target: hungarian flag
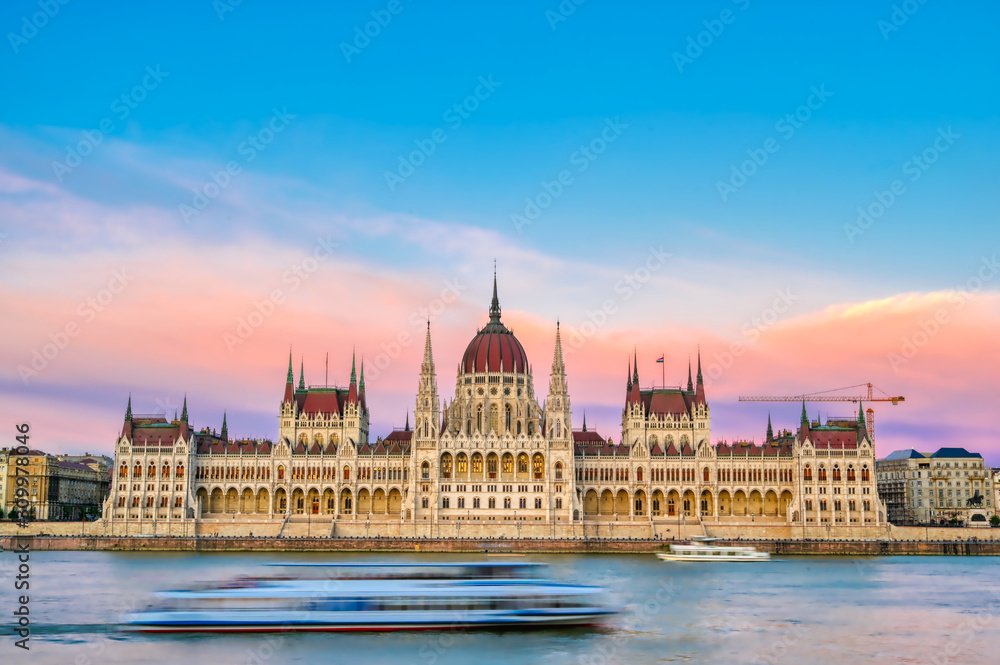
{"points": [[660, 359]]}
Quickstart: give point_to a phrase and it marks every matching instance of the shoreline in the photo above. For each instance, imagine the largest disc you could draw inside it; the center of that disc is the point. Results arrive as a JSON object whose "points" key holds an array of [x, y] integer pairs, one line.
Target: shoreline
{"points": [[36, 543]]}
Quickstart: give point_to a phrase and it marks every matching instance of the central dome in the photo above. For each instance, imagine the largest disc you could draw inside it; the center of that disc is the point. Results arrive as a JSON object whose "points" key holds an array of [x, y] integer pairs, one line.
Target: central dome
{"points": [[494, 348]]}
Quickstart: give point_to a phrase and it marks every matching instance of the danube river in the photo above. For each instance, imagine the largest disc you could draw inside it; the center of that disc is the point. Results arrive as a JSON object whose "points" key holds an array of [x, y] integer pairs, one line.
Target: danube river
{"points": [[788, 610]]}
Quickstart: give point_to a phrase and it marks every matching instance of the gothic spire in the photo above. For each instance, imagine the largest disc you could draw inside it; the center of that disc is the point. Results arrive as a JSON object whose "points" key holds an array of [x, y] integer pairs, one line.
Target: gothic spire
{"points": [[361, 384], [770, 431], [635, 368], [862, 423], [428, 364], [128, 409], [558, 366], [690, 384], [225, 428], [184, 409], [407, 428], [700, 380], [354, 374], [291, 375], [495, 304], [584, 421], [302, 375], [628, 377]]}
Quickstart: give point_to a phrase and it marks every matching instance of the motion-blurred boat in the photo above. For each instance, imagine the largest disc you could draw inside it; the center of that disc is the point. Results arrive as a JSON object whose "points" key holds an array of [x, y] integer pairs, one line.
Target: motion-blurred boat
{"points": [[702, 549], [383, 596]]}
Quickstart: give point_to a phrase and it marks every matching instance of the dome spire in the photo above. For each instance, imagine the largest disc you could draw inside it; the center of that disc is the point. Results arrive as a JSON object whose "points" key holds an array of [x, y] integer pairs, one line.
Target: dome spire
{"points": [[495, 304]]}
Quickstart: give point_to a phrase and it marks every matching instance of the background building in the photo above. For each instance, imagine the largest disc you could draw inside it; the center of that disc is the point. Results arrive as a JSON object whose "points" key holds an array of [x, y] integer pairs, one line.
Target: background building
{"points": [[936, 488], [59, 488]]}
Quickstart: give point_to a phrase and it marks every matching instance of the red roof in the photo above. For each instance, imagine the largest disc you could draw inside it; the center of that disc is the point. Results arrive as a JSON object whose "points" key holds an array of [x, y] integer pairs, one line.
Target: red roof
{"points": [[321, 400], [671, 401], [495, 349]]}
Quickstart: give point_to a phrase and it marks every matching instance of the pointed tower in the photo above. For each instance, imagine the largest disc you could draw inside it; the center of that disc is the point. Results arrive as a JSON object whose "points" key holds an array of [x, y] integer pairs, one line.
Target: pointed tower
{"points": [[406, 428], [635, 397], [584, 421], [804, 423], [700, 388], [128, 409], [770, 430], [690, 383], [184, 409], [558, 417], [225, 428], [352, 391], [862, 424], [302, 375], [289, 381], [427, 414]]}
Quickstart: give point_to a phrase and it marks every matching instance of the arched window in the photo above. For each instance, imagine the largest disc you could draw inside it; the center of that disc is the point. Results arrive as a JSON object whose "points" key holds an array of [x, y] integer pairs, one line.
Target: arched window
{"points": [[445, 502], [151, 472], [179, 473], [491, 466], [425, 470], [506, 422], [446, 464], [493, 502], [166, 470], [281, 472], [558, 428], [462, 463], [508, 464], [705, 473], [494, 419], [479, 417], [347, 472], [638, 474], [538, 466], [836, 472], [559, 471], [506, 503], [807, 473], [850, 473], [864, 474], [477, 464], [531, 429], [123, 471], [822, 473], [518, 426], [522, 463]]}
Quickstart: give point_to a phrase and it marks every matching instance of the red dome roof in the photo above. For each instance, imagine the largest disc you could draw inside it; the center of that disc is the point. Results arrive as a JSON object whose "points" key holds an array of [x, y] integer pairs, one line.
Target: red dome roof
{"points": [[494, 348]]}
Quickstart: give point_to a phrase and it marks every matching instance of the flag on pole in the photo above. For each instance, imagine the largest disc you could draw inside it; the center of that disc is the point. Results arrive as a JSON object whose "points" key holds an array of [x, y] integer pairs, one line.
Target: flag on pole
{"points": [[660, 359]]}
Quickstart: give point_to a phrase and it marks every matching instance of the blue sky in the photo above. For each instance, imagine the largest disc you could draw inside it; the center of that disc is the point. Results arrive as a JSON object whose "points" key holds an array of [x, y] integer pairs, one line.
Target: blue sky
{"points": [[555, 86]]}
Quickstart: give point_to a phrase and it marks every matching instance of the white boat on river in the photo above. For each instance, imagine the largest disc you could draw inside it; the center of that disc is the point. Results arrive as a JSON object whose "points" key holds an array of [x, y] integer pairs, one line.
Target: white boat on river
{"points": [[702, 549], [382, 596]]}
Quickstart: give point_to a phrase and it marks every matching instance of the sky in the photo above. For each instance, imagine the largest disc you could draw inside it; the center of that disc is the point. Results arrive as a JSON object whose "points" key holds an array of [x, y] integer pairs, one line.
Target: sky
{"points": [[807, 194]]}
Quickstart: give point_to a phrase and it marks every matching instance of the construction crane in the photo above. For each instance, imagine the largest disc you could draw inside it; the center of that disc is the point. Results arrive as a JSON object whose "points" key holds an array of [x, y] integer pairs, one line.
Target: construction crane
{"points": [[822, 396]]}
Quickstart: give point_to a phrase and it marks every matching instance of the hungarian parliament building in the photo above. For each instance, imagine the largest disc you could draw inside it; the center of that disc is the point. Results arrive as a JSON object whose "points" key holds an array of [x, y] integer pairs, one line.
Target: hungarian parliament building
{"points": [[493, 461]]}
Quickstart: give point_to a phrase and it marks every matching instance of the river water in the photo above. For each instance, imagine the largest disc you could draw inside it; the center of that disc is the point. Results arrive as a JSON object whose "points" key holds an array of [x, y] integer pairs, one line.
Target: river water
{"points": [[788, 610]]}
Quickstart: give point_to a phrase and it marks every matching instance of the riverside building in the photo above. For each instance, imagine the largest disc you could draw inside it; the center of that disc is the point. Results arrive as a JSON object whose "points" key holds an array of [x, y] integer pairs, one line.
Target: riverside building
{"points": [[936, 488], [491, 460]]}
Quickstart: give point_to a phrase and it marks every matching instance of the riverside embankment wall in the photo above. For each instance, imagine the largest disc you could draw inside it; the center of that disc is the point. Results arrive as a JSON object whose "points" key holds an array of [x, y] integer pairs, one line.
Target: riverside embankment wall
{"points": [[262, 544]]}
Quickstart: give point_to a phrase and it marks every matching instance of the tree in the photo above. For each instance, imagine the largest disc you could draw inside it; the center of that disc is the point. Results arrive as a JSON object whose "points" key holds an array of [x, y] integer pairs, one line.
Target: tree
{"points": [[13, 514], [995, 520]]}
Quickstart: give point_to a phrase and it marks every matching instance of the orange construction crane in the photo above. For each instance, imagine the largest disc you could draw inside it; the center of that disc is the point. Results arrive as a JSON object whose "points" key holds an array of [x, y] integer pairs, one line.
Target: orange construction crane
{"points": [[824, 397]]}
